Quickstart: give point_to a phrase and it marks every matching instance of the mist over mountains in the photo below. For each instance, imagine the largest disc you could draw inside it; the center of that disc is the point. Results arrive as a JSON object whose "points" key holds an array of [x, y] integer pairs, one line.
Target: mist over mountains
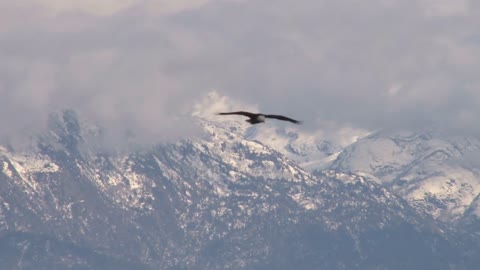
{"points": [[237, 197]]}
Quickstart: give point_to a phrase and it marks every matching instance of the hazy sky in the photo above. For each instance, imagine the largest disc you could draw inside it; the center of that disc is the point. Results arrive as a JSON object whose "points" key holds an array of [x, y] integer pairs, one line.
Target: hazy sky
{"points": [[136, 64]]}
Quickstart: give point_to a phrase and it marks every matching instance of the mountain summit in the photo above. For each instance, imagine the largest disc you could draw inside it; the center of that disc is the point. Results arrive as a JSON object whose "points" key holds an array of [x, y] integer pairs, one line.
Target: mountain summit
{"points": [[220, 201]]}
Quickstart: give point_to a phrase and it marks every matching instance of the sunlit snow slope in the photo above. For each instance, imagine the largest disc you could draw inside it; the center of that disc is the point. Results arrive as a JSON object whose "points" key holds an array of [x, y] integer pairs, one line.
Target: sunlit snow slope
{"points": [[436, 172]]}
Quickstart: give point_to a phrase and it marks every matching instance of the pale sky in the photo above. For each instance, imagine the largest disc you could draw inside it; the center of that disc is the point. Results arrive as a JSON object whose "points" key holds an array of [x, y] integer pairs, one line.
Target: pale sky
{"points": [[363, 64]]}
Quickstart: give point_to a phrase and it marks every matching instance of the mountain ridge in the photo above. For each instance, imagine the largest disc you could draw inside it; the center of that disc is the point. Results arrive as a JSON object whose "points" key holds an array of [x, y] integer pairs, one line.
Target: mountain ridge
{"points": [[217, 201]]}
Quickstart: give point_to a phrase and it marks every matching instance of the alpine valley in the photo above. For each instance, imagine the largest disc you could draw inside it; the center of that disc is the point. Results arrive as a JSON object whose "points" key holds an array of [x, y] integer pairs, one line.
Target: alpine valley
{"points": [[266, 196]]}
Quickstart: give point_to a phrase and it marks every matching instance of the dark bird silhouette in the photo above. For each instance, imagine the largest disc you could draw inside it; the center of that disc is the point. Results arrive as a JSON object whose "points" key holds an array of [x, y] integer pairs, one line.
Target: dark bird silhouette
{"points": [[255, 118]]}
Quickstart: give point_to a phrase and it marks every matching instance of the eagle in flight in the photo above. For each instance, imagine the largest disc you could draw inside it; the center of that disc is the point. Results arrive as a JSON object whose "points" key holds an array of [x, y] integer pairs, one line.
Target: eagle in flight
{"points": [[255, 118]]}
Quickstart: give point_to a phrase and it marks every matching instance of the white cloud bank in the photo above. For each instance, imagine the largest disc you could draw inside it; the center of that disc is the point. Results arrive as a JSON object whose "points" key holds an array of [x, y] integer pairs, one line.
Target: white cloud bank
{"points": [[137, 64]]}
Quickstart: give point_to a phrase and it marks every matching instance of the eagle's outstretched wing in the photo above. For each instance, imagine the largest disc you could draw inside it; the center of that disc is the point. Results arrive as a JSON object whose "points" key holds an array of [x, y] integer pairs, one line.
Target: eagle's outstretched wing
{"points": [[281, 117], [247, 114]]}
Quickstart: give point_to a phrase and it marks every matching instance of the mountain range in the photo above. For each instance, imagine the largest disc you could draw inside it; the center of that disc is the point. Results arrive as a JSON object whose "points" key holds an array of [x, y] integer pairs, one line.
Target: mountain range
{"points": [[241, 197]]}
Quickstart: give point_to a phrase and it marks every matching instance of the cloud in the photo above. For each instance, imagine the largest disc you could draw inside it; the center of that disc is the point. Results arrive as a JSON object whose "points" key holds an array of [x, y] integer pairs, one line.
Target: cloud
{"points": [[338, 60], [107, 68], [110, 7], [139, 64]]}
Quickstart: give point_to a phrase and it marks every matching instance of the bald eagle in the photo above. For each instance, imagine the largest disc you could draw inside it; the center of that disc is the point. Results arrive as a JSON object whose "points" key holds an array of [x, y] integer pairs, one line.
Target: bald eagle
{"points": [[255, 118]]}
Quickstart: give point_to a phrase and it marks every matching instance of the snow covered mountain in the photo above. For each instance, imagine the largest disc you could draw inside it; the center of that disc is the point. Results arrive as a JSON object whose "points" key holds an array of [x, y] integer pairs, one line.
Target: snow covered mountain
{"points": [[216, 202], [435, 172], [311, 149]]}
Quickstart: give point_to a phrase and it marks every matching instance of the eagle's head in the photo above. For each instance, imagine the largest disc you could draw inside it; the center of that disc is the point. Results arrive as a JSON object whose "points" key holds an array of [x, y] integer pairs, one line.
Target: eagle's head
{"points": [[261, 118]]}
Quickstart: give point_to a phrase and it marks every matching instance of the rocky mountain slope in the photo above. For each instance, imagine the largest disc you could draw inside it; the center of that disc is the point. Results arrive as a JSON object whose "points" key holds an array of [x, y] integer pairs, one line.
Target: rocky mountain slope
{"points": [[436, 172], [219, 201], [23, 250]]}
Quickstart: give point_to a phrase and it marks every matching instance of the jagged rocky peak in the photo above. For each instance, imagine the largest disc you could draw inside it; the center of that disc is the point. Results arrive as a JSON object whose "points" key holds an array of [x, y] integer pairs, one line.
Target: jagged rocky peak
{"points": [[236, 197], [223, 200], [66, 127]]}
